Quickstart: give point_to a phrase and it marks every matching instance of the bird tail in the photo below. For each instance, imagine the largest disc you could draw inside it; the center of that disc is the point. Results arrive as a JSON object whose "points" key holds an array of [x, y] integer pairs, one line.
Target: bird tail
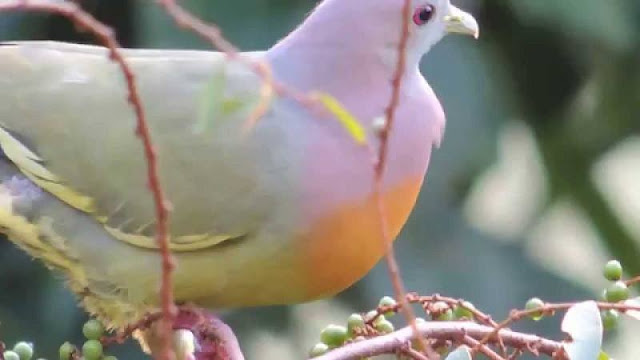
{"points": [[25, 226]]}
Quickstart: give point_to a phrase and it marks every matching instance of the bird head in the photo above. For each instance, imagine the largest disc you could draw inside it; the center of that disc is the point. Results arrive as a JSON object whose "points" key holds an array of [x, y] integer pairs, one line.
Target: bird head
{"points": [[431, 20], [364, 26]]}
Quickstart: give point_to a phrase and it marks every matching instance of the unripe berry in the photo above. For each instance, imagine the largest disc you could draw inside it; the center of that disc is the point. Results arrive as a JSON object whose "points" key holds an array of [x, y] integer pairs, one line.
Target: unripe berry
{"points": [[462, 311], [92, 350], [318, 349], [446, 315], [11, 355], [613, 270], [93, 329], [24, 350], [535, 303], [384, 326], [617, 291], [355, 321], [66, 350], [334, 335], [387, 301], [610, 318]]}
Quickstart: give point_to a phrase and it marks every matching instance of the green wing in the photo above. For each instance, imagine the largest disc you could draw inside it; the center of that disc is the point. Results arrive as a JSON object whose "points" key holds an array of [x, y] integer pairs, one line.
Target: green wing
{"points": [[66, 124]]}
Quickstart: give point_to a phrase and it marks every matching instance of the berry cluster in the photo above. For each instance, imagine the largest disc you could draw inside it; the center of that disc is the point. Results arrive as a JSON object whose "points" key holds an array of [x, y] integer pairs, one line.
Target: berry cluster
{"points": [[616, 292], [92, 349], [376, 322]]}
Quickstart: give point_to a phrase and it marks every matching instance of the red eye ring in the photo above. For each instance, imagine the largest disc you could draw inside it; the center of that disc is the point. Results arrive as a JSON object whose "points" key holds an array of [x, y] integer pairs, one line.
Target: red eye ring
{"points": [[423, 14]]}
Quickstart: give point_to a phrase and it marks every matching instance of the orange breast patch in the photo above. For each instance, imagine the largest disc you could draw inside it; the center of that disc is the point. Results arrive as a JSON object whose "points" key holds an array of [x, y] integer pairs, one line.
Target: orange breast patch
{"points": [[341, 248]]}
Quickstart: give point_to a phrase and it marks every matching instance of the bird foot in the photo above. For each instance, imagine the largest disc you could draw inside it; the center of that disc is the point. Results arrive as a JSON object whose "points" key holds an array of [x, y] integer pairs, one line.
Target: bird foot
{"points": [[199, 335]]}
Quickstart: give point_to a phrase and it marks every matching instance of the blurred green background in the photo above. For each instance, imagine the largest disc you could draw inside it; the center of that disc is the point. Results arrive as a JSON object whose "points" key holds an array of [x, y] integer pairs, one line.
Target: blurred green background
{"points": [[536, 185]]}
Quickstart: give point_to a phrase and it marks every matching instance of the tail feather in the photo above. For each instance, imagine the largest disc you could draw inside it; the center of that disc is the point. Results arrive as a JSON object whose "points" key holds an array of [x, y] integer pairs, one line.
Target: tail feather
{"points": [[27, 219]]}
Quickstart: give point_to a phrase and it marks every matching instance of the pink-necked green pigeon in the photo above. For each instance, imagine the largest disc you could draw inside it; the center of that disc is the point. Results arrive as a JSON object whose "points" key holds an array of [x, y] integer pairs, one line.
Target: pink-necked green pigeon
{"points": [[281, 214]]}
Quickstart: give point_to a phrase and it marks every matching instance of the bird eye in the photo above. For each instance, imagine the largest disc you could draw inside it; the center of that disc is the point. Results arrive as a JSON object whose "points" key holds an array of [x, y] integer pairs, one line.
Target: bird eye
{"points": [[423, 14]]}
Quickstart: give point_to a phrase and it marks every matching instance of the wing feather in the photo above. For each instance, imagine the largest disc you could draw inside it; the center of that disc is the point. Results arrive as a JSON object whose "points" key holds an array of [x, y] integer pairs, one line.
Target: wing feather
{"points": [[93, 162]]}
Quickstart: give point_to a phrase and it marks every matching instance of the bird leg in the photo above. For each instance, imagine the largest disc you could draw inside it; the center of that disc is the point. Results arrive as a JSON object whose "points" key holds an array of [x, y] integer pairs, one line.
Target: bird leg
{"points": [[198, 335]]}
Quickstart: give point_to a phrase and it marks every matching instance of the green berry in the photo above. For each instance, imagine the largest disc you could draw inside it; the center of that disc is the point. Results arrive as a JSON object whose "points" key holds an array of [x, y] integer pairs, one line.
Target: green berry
{"points": [[462, 311], [355, 321], [318, 349], [439, 310], [92, 350], [373, 314], [387, 301], [24, 350], [378, 320], [446, 315], [11, 355], [613, 270], [334, 335], [66, 350], [617, 291], [384, 326], [93, 329], [535, 303], [610, 318]]}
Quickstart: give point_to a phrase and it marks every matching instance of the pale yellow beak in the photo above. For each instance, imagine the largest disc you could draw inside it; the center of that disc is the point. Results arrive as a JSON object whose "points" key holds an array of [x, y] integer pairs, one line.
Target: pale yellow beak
{"points": [[460, 22]]}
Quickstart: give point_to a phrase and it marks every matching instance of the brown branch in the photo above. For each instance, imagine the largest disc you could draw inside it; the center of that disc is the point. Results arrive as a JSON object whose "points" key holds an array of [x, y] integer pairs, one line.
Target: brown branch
{"points": [[477, 314], [379, 167], [633, 281], [104, 35], [412, 353], [452, 330], [270, 86], [547, 309], [473, 343]]}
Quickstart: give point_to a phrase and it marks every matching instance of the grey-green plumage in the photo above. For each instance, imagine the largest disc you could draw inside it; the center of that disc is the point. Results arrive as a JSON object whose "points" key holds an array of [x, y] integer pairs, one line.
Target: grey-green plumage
{"points": [[73, 110], [68, 105]]}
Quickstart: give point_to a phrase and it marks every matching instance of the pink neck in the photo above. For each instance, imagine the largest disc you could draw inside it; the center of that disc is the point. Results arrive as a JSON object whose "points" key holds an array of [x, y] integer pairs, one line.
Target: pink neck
{"points": [[330, 53]]}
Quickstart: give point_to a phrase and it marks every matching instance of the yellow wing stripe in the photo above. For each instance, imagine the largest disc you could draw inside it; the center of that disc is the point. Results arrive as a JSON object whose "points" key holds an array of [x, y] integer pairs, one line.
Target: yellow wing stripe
{"points": [[181, 243], [26, 235], [29, 165]]}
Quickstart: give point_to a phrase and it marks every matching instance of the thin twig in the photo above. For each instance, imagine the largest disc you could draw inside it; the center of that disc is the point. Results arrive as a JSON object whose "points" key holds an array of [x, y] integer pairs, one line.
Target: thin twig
{"points": [[633, 281], [379, 168], [516, 315], [213, 35], [388, 344], [473, 343], [105, 35], [412, 353]]}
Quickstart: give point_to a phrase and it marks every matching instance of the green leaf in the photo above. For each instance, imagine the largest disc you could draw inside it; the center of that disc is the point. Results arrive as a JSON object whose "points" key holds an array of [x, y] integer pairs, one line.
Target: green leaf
{"points": [[461, 353], [583, 323], [348, 121]]}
